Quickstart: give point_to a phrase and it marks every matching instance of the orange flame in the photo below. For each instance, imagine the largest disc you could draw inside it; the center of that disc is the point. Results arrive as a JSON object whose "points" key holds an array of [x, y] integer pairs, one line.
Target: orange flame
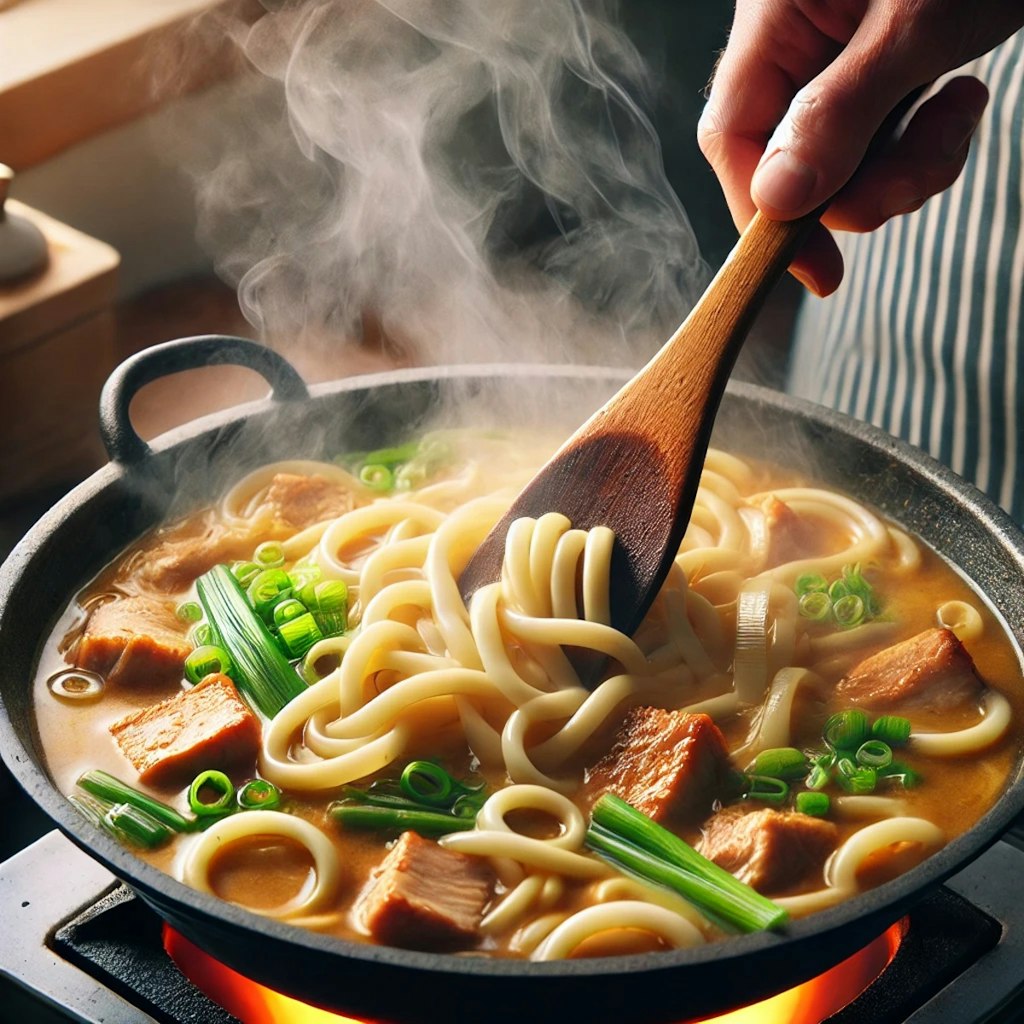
{"points": [[810, 1003]]}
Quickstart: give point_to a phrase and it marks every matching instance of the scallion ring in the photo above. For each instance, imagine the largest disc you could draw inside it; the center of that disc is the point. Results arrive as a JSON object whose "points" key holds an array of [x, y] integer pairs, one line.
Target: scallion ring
{"points": [[811, 583], [763, 787], [258, 794], [848, 611], [427, 782], [269, 555], [780, 763], [377, 477], [245, 572], [189, 611], [891, 729], [847, 730], [815, 605], [874, 754], [205, 661], [221, 786]]}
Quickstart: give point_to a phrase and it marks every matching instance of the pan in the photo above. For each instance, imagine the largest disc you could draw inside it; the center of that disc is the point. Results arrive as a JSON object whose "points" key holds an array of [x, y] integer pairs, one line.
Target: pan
{"points": [[143, 484]]}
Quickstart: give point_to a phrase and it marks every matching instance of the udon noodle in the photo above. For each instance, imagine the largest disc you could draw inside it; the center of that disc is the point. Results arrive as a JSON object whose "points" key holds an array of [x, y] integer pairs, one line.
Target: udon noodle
{"points": [[492, 688]]}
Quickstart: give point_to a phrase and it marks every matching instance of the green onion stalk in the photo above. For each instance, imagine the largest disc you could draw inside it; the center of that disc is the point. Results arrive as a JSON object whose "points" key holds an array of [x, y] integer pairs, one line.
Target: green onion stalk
{"points": [[632, 841]]}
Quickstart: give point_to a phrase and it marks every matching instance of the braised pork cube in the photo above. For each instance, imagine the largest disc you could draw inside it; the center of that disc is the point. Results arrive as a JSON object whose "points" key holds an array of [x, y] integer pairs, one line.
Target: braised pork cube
{"points": [[423, 896], [181, 557], [932, 669], [134, 641], [789, 536], [301, 501], [669, 765], [207, 726], [768, 849]]}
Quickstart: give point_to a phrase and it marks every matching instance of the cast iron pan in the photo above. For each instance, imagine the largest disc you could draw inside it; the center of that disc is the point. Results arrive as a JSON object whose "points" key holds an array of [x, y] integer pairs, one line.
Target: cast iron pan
{"points": [[193, 464]]}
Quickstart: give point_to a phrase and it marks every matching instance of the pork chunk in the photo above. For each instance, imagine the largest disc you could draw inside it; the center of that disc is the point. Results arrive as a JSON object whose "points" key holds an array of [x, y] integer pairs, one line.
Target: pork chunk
{"points": [[134, 641], [426, 897], [301, 501], [932, 670], [789, 536], [179, 559], [667, 764], [768, 849], [208, 726]]}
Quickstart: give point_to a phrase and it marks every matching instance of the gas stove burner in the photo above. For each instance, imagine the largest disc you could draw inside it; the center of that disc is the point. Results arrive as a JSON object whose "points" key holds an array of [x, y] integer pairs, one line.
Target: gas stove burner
{"points": [[80, 943]]}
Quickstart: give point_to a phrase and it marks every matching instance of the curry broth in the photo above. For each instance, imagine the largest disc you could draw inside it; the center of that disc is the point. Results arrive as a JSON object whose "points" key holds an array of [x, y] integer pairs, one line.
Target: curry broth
{"points": [[954, 792]]}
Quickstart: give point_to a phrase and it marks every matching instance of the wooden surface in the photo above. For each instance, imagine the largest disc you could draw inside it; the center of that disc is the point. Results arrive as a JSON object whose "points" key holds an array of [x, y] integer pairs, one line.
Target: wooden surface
{"points": [[70, 69], [635, 465]]}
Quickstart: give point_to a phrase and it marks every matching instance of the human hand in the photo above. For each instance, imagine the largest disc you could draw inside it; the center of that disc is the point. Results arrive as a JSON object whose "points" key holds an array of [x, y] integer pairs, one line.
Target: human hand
{"points": [[804, 85]]}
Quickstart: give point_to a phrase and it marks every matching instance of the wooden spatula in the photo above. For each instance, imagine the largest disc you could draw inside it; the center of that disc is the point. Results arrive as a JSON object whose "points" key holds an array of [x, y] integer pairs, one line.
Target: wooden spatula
{"points": [[634, 466]]}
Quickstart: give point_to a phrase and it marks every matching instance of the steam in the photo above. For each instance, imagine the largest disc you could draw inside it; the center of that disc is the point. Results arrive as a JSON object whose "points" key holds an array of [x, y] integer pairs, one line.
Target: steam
{"points": [[476, 177]]}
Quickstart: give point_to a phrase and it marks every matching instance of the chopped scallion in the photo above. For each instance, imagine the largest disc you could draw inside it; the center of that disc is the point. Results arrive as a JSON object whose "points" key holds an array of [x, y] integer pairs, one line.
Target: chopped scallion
{"points": [[766, 789], [206, 661], [874, 754], [780, 763], [215, 783], [299, 634], [261, 671], [811, 583], [630, 839], [189, 611], [815, 804], [113, 791], [258, 795], [245, 572], [394, 820], [269, 555], [377, 477], [815, 605], [891, 729], [847, 730], [849, 611]]}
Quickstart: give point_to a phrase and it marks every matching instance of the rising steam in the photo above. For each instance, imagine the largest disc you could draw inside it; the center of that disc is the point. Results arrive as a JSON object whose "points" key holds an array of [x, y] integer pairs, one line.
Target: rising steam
{"points": [[476, 176]]}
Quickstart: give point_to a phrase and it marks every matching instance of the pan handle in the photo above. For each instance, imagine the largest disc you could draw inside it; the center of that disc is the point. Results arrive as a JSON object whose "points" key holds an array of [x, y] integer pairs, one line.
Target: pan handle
{"points": [[123, 444]]}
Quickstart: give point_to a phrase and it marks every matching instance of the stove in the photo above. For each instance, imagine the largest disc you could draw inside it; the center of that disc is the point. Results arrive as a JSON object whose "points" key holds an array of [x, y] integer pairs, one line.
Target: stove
{"points": [[77, 945]]}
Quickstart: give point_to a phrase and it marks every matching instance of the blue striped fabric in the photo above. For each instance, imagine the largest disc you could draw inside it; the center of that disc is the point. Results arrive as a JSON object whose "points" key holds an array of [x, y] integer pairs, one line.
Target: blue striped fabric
{"points": [[925, 336]]}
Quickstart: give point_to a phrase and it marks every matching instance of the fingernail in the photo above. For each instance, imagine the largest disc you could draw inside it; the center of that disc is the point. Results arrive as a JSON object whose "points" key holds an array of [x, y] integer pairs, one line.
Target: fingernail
{"points": [[783, 182], [807, 281], [957, 131]]}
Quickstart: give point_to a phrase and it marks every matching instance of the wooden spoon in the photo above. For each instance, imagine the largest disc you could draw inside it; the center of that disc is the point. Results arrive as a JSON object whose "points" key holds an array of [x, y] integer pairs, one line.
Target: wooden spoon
{"points": [[634, 466]]}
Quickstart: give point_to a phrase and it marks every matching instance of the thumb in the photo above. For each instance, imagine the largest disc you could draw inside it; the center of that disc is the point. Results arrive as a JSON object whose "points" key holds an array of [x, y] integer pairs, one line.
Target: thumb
{"points": [[826, 131]]}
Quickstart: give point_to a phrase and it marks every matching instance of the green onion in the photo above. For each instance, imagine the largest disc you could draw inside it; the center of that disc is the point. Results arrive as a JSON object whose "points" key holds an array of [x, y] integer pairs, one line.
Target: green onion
{"points": [[815, 804], [818, 777], [395, 820], [328, 602], [113, 791], [891, 729], [287, 610], [205, 661], [201, 635], [299, 634], [811, 583], [837, 591], [428, 783], [262, 673], [392, 456], [127, 824], [900, 775], [258, 795], [780, 763], [269, 555], [857, 585], [139, 827], [222, 787], [855, 778], [874, 754], [763, 787], [245, 572], [631, 840], [847, 730], [267, 589], [849, 611], [189, 611], [377, 477], [815, 605]]}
